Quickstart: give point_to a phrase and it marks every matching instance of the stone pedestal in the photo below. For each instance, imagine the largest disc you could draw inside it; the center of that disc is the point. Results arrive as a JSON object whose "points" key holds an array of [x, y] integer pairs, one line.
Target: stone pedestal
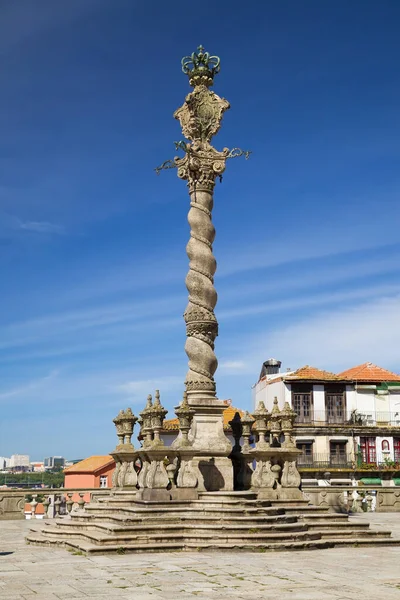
{"points": [[212, 447]]}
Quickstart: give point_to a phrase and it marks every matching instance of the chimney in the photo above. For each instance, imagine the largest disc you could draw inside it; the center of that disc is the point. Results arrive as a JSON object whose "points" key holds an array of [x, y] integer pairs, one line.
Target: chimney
{"points": [[270, 367]]}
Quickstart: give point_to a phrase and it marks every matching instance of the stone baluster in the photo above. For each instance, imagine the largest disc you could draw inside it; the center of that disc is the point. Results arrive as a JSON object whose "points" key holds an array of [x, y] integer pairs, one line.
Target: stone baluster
{"points": [[81, 501], [69, 503], [34, 504], [57, 504], [46, 504]]}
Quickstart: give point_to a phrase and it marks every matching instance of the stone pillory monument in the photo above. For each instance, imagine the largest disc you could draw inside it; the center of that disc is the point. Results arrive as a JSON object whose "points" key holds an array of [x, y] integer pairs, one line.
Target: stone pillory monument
{"points": [[202, 492]]}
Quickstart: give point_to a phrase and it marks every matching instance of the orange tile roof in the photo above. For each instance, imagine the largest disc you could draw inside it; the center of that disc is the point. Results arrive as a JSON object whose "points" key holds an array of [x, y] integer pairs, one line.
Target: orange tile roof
{"points": [[91, 464], [228, 414], [369, 372], [308, 372]]}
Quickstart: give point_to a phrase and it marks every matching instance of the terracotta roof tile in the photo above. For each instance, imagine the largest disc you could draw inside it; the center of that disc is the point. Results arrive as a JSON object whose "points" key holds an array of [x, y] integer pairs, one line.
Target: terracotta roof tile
{"points": [[308, 372], [369, 372], [91, 464]]}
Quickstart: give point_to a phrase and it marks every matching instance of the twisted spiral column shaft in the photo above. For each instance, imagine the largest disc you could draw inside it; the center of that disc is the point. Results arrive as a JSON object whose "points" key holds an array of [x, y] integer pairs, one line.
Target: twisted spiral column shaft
{"points": [[201, 323]]}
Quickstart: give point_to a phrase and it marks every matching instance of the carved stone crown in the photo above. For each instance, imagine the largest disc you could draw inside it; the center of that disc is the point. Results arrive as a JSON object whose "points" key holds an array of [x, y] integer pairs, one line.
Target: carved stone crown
{"points": [[201, 67]]}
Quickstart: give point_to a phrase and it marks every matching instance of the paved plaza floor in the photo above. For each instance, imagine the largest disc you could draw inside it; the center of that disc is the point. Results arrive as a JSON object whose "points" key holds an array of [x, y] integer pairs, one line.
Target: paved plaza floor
{"points": [[34, 573]]}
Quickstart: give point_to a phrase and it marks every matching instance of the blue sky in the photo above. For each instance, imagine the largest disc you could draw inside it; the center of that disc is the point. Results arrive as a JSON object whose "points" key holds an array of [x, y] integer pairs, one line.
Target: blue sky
{"points": [[92, 242]]}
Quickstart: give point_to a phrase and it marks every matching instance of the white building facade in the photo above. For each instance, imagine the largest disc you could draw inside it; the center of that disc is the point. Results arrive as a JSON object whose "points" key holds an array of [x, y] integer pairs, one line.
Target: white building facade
{"points": [[347, 419]]}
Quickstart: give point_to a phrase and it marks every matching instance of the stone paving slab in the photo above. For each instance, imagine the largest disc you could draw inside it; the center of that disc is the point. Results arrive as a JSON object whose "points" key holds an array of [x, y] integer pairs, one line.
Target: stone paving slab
{"points": [[348, 573]]}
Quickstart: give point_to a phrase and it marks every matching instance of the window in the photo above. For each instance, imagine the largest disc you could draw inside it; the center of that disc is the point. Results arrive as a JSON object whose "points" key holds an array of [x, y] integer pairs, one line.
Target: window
{"points": [[307, 449], [385, 446], [337, 452], [335, 404], [302, 403], [368, 449], [103, 481], [396, 448]]}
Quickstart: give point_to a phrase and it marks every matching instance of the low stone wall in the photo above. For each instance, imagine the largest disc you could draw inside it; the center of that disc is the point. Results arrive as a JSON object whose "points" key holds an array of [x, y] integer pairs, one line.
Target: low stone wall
{"points": [[12, 501], [333, 497]]}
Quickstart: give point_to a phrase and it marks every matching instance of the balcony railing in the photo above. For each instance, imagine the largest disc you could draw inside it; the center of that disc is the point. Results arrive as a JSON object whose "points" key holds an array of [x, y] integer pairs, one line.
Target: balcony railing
{"points": [[321, 461], [351, 418]]}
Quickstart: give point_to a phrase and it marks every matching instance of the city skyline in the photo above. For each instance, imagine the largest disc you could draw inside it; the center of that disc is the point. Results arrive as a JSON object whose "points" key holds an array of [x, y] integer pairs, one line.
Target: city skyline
{"points": [[94, 242]]}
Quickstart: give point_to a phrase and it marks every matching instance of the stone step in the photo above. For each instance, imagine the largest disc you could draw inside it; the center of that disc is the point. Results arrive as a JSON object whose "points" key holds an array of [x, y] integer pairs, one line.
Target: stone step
{"points": [[364, 541], [245, 494], [351, 532], [333, 525], [310, 517], [187, 510], [87, 548], [184, 537], [246, 521], [151, 528]]}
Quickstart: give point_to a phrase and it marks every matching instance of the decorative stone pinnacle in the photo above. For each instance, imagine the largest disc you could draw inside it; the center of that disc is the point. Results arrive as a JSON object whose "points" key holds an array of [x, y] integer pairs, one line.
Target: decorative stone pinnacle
{"points": [[201, 67], [124, 423], [185, 416], [157, 414]]}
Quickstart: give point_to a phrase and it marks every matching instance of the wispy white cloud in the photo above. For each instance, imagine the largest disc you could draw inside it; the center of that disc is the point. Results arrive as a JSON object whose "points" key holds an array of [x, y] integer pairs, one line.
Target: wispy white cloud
{"points": [[31, 387], [139, 389], [316, 300], [233, 366], [41, 227], [339, 338]]}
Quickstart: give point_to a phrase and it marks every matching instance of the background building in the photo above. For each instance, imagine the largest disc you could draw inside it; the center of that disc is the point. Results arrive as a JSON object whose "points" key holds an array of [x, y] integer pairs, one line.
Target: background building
{"points": [[54, 462], [92, 472], [348, 421], [4, 463], [20, 462]]}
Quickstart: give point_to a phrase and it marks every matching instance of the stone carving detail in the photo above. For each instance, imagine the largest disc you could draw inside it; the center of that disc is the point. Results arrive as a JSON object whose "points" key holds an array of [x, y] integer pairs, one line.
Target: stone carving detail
{"points": [[200, 118], [201, 114], [263, 476], [290, 475], [187, 477]]}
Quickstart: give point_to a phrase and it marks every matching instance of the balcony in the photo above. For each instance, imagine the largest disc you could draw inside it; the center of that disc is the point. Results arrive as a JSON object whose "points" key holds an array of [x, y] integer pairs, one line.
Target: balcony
{"points": [[322, 461], [350, 418]]}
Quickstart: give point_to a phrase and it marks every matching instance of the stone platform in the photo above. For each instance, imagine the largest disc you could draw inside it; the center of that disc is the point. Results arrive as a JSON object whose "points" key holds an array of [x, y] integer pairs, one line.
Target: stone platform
{"points": [[218, 521], [344, 573]]}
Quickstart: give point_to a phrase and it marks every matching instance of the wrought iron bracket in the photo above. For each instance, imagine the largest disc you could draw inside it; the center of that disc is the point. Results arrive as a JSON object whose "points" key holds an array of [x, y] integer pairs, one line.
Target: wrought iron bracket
{"points": [[236, 152]]}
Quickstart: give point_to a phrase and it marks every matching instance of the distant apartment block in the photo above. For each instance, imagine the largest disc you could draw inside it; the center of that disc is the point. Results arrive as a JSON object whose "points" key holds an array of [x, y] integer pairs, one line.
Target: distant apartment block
{"points": [[4, 463], [54, 462], [20, 462]]}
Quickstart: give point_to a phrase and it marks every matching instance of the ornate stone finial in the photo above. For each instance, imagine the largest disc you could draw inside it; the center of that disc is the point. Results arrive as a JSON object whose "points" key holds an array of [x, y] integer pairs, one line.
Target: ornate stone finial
{"points": [[118, 422], [185, 416], [157, 414], [145, 422], [247, 422], [274, 424], [288, 417], [124, 423], [261, 416], [201, 67]]}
